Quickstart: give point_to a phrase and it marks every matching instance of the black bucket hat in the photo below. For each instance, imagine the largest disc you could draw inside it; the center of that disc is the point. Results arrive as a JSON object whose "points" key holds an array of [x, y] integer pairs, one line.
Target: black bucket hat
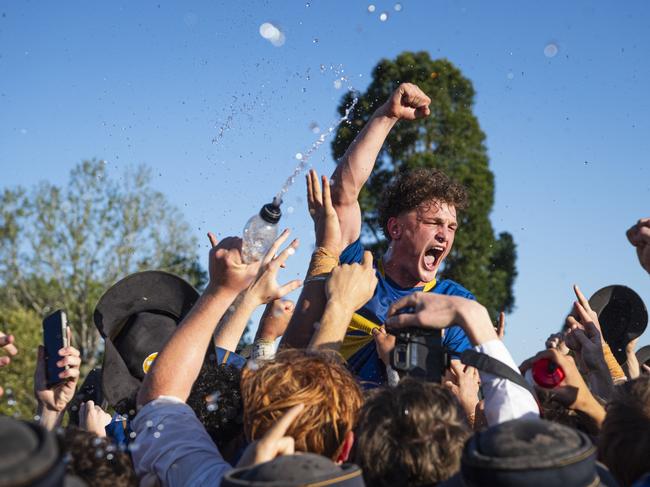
{"points": [[305, 470], [136, 317], [622, 316], [530, 452]]}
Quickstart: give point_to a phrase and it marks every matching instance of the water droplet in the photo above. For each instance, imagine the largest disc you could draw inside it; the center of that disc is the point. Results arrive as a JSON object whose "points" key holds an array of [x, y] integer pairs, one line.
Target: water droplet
{"points": [[586, 162], [110, 456], [510, 75], [371, 8], [322, 68], [397, 7], [299, 156], [144, 298], [308, 5], [337, 84], [99, 453], [290, 210], [211, 407], [315, 40], [272, 34], [314, 127], [132, 434], [149, 424], [156, 434], [160, 427], [97, 441], [551, 50], [291, 251], [383, 16]]}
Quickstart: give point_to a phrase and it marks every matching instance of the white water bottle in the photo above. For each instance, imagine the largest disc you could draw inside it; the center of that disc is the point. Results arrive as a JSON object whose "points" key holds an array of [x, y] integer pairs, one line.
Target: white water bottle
{"points": [[260, 232]]}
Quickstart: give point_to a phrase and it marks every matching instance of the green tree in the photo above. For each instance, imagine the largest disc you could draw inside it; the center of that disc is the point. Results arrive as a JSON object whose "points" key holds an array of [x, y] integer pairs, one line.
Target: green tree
{"points": [[450, 140], [62, 247]]}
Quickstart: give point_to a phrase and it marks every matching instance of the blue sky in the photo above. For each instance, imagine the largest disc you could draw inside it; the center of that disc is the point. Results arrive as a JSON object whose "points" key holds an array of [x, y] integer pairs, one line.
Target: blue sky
{"points": [[155, 82]]}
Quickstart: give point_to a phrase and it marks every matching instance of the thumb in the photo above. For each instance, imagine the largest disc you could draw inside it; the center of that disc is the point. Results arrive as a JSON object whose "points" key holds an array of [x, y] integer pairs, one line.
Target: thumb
{"points": [[367, 259]]}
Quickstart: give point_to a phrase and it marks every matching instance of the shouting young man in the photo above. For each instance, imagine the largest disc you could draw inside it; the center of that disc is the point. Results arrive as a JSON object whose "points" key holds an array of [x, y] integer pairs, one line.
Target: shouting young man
{"points": [[418, 216]]}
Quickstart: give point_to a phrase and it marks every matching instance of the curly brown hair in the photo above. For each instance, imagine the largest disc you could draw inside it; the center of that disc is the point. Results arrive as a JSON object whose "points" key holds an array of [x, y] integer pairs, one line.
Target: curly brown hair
{"points": [[97, 460], [624, 440], [320, 381], [413, 188], [411, 434]]}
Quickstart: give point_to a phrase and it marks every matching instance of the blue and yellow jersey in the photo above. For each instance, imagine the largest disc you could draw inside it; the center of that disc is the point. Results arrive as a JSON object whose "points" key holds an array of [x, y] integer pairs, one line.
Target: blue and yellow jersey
{"points": [[359, 347]]}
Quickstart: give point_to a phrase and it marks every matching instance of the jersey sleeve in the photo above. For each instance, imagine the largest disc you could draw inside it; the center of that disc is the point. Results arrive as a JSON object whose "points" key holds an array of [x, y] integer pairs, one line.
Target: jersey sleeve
{"points": [[353, 253]]}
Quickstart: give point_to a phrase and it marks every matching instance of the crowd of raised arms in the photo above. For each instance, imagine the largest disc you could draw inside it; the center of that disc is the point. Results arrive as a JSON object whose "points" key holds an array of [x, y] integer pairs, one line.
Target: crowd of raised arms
{"points": [[381, 373]]}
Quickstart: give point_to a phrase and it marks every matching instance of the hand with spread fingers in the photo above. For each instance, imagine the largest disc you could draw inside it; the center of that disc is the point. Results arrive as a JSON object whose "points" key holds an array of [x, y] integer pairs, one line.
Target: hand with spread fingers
{"points": [[639, 237], [408, 102], [274, 443], [265, 287], [93, 418], [321, 210]]}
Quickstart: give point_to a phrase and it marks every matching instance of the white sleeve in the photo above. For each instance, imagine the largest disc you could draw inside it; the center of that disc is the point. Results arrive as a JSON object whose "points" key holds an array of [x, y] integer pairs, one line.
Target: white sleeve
{"points": [[172, 444], [504, 400]]}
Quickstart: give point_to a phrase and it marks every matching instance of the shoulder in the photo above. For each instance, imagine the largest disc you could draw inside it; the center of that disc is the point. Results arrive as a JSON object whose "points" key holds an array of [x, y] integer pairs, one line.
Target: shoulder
{"points": [[452, 288], [353, 253]]}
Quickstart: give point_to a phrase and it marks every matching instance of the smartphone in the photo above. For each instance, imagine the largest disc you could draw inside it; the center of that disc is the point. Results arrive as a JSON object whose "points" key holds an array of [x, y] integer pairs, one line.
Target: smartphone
{"points": [[91, 390], [55, 337]]}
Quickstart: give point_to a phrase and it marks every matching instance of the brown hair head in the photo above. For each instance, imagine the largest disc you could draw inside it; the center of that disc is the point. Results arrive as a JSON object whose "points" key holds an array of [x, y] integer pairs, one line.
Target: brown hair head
{"points": [[624, 441], [413, 188], [412, 434], [320, 381]]}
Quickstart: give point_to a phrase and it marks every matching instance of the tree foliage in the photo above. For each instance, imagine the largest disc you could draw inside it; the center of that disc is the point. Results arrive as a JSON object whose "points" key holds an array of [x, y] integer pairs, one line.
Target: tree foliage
{"points": [[62, 247], [450, 140]]}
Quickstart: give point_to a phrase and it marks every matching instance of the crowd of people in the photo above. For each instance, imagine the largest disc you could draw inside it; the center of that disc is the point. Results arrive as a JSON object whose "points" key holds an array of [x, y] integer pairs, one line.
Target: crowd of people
{"points": [[322, 396]]}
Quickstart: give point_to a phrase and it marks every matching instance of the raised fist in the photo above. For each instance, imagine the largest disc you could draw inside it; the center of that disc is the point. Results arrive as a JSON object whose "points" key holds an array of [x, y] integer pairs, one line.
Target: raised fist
{"points": [[408, 102]]}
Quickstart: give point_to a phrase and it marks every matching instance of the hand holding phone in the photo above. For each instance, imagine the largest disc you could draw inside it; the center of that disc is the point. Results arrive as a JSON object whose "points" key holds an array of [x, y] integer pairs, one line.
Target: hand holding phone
{"points": [[55, 337]]}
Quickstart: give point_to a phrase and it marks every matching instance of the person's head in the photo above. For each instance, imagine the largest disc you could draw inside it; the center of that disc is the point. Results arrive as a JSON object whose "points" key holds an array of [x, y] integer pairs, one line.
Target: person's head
{"points": [[318, 380], [216, 400], [418, 216], [97, 460], [624, 441], [412, 434]]}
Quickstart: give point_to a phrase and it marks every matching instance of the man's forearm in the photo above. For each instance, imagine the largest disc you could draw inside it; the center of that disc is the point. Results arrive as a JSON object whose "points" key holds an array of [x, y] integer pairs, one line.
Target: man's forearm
{"points": [[230, 329], [333, 324], [178, 364], [357, 163], [475, 321]]}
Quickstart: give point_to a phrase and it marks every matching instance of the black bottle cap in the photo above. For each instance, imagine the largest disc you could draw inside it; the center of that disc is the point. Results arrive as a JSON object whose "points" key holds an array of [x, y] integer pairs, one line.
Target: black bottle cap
{"points": [[271, 212]]}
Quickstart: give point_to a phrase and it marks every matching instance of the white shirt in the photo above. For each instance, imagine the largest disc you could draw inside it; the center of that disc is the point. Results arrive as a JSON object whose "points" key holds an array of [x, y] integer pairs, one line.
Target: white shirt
{"points": [[504, 400], [172, 444]]}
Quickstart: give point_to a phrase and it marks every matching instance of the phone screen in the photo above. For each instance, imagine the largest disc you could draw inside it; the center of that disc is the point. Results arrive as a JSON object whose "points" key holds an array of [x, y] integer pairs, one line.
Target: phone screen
{"points": [[54, 339]]}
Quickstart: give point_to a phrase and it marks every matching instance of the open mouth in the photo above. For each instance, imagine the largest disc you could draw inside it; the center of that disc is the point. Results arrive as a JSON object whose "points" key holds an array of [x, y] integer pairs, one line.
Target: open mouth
{"points": [[432, 257]]}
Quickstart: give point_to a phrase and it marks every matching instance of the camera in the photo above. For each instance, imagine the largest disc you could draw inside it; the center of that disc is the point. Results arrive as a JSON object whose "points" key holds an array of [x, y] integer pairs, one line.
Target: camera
{"points": [[419, 353]]}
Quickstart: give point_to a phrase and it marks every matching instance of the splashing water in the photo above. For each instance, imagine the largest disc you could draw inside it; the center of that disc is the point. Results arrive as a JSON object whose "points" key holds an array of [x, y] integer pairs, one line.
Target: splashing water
{"points": [[314, 147]]}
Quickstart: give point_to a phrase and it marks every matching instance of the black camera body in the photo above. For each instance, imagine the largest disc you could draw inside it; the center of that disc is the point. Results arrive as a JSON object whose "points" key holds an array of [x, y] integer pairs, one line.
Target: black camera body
{"points": [[419, 353]]}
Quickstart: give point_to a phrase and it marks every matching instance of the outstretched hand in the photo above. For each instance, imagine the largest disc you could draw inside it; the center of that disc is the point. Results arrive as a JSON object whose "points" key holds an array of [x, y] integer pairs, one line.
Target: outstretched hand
{"points": [[321, 210], [353, 284], [408, 102], [265, 287], [639, 237]]}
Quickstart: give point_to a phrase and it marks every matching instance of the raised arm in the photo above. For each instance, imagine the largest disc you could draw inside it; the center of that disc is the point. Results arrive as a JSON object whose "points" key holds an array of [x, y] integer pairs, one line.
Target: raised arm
{"points": [[408, 102]]}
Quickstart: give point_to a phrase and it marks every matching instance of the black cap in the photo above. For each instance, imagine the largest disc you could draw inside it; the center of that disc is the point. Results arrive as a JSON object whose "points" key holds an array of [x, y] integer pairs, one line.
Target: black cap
{"points": [[305, 469], [271, 212], [643, 355], [531, 452], [622, 316]]}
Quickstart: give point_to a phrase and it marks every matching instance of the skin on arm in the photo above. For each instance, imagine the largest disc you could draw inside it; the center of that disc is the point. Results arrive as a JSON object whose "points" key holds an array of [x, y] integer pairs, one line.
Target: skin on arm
{"points": [[348, 288], [408, 102], [262, 290], [312, 299], [7, 346], [179, 363]]}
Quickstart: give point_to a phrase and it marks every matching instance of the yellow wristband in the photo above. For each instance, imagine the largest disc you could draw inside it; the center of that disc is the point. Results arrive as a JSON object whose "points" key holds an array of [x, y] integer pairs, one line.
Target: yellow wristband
{"points": [[322, 262]]}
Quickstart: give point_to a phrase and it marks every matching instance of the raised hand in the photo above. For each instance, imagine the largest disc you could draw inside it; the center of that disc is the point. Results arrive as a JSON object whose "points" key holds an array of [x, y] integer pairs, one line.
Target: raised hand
{"points": [[639, 236], [93, 418], [225, 266], [7, 346], [408, 102], [275, 319], [274, 443], [265, 287], [326, 221], [352, 284], [464, 382]]}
